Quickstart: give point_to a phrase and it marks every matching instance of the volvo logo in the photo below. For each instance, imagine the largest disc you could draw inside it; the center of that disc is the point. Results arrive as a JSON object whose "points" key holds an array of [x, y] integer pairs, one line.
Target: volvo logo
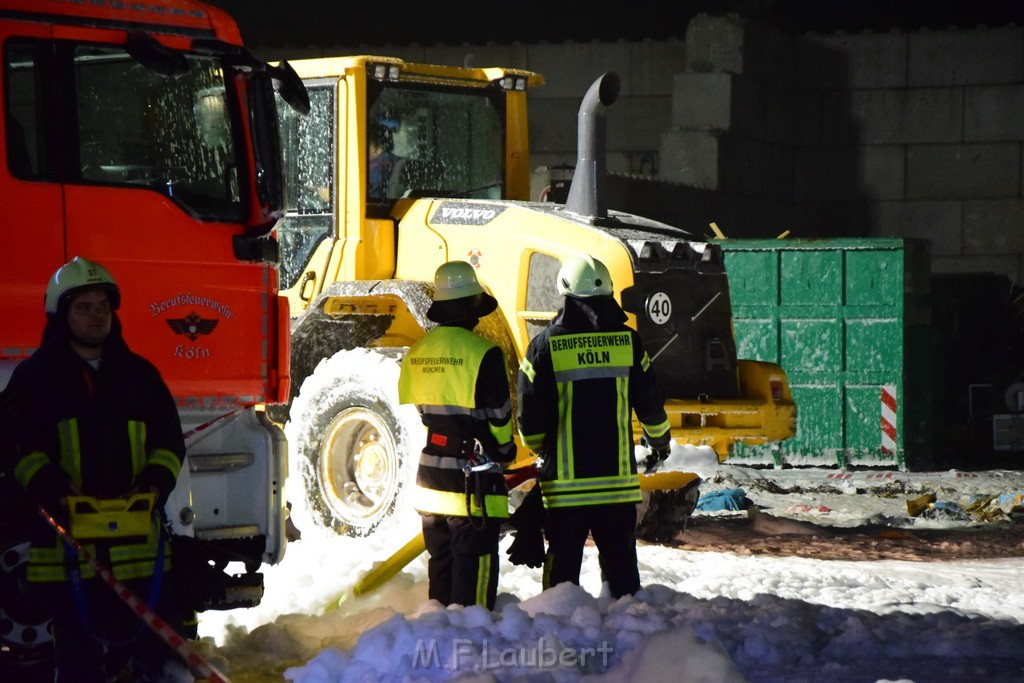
{"points": [[469, 214], [465, 213]]}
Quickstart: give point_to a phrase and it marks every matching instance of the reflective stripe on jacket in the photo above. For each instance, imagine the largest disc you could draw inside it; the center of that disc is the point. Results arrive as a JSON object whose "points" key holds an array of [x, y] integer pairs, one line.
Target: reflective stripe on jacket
{"points": [[458, 382], [70, 456], [578, 387], [129, 560]]}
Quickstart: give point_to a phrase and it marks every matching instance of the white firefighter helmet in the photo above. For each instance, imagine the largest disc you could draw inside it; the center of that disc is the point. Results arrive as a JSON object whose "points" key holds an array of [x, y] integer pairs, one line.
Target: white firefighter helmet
{"points": [[454, 280], [77, 274], [584, 276], [458, 294]]}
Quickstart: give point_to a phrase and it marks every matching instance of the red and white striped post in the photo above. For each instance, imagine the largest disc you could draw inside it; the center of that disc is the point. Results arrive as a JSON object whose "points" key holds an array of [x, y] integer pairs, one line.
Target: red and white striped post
{"points": [[889, 419]]}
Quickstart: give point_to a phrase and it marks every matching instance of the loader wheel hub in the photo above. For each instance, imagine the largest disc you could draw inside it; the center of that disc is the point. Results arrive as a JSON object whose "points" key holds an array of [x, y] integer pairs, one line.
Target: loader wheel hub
{"points": [[371, 465], [359, 463]]}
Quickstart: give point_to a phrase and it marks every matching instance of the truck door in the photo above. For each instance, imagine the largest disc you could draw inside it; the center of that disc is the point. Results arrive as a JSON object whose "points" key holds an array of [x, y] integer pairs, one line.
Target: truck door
{"points": [[157, 184], [33, 224]]}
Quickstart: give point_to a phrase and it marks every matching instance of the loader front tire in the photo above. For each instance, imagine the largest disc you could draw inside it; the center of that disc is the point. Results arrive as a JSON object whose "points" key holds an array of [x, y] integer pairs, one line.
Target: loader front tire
{"points": [[355, 447]]}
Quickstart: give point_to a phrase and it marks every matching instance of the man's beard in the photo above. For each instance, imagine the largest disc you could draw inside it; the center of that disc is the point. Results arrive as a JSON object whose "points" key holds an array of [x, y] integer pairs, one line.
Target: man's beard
{"points": [[89, 344]]}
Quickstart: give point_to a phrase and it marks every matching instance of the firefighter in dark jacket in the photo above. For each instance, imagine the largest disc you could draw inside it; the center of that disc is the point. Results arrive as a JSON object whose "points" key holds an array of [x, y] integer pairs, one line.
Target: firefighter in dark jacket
{"points": [[577, 385], [458, 381], [95, 419]]}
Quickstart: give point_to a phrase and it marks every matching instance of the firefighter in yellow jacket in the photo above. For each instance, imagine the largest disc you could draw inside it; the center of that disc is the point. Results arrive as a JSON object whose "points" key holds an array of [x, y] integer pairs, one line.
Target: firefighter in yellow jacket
{"points": [[458, 382], [581, 378]]}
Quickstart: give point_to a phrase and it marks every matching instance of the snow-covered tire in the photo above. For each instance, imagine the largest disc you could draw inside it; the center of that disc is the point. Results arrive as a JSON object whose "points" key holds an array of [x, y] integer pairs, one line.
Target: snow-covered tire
{"points": [[355, 448]]}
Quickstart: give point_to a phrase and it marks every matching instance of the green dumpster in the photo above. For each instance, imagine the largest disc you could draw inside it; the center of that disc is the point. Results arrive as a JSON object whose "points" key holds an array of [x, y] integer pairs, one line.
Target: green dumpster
{"points": [[848, 320]]}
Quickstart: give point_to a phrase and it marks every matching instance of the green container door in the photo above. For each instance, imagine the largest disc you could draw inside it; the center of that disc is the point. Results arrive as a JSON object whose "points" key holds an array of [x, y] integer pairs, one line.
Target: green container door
{"points": [[835, 314]]}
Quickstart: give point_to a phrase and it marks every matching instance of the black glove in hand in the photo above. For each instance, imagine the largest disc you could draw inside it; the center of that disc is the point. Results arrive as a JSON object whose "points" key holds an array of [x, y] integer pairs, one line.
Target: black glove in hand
{"points": [[527, 548], [658, 455], [528, 521]]}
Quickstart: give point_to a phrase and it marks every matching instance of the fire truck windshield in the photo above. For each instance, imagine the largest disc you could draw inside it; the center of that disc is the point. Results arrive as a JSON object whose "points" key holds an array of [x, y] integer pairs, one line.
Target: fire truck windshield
{"points": [[172, 135]]}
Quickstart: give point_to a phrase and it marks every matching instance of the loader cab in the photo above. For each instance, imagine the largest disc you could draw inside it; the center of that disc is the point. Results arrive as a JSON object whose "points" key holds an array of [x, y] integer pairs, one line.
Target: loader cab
{"points": [[383, 133], [308, 146], [434, 142]]}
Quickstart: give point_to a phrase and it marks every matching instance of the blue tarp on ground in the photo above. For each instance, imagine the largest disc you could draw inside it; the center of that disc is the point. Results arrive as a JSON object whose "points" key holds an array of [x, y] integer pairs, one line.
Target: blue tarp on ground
{"points": [[722, 499]]}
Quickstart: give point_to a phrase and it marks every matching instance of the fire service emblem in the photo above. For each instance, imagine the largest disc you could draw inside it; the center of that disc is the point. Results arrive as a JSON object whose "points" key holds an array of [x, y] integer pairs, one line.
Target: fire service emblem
{"points": [[192, 326]]}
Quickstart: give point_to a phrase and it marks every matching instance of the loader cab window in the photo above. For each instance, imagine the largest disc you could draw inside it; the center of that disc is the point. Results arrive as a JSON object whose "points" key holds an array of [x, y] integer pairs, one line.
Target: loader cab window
{"points": [[24, 130], [434, 141], [307, 144], [542, 297], [170, 134]]}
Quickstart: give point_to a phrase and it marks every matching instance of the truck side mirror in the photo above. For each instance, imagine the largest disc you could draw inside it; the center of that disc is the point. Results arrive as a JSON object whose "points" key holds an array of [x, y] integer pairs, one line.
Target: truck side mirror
{"points": [[290, 87]]}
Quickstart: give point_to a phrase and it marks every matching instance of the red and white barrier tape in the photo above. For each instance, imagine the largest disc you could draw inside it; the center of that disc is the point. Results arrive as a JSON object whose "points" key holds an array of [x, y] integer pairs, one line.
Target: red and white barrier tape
{"points": [[192, 432], [846, 476], [865, 475], [199, 666]]}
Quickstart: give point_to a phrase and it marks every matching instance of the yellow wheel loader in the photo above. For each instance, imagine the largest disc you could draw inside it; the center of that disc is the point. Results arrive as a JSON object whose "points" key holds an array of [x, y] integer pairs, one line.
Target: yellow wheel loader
{"points": [[400, 167]]}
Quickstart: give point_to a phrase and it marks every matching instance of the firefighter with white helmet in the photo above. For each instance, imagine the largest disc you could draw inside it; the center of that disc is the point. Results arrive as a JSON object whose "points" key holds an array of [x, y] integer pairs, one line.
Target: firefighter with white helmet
{"points": [[584, 277], [457, 379], [578, 383], [91, 419], [75, 275]]}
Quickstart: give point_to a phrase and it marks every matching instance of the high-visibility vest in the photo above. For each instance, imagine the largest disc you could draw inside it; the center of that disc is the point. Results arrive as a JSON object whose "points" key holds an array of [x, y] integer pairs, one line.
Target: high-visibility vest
{"points": [[439, 375]]}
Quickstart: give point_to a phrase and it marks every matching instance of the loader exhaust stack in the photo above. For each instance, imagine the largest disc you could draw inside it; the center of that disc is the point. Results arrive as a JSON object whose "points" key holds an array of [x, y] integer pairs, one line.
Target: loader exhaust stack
{"points": [[586, 195]]}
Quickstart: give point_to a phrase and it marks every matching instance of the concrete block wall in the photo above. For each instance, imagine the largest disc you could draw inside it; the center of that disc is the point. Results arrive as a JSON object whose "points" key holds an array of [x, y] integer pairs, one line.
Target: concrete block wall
{"points": [[947, 104], [916, 135], [879, 134]]}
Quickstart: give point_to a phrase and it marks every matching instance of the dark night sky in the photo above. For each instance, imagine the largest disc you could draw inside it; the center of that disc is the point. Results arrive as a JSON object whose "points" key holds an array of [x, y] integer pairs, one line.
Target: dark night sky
{"points": [[271, 23]]}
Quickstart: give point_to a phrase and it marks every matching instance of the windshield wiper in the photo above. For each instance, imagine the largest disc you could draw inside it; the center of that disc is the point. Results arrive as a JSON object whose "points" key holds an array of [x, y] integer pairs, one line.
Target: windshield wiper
{"points": [[466, 193]]}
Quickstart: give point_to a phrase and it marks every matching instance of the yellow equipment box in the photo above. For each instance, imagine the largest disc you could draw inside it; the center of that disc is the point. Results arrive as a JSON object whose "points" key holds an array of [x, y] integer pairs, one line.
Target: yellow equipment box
{"points": [[94, 518]]}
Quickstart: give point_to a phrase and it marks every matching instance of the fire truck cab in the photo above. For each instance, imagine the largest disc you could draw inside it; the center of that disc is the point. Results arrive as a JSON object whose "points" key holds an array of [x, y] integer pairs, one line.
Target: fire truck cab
{"points": [[144, 136]]}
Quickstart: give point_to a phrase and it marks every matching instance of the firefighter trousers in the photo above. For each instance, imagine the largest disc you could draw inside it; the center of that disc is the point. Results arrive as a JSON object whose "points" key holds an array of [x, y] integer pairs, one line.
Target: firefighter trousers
{"points": [[463, 564], [96, 634], [613, 528]]}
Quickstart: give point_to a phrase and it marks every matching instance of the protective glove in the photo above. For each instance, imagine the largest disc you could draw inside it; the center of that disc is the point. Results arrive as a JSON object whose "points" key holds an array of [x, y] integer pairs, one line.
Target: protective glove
{"points": [[527, 548], [528, 520], [50, 488], [659, 454]]}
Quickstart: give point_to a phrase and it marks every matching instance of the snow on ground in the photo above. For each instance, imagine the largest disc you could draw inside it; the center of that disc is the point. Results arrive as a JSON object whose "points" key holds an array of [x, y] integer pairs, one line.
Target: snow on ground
{"points": [[701, 616]]}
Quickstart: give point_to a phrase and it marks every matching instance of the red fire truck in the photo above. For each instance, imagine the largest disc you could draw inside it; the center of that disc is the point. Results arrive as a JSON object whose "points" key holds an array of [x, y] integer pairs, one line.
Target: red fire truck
{"points": [[143, 135]]}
